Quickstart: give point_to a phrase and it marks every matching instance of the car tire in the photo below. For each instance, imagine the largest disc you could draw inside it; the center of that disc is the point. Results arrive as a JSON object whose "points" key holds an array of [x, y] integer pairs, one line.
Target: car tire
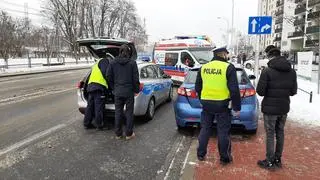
{"points": [[169, 99], [248, 66], [151, 110], [180, 128]]}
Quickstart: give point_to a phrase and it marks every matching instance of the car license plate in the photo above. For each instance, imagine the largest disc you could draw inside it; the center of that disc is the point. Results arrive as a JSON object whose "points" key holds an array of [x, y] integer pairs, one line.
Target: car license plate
{"points": [[110, 107]]}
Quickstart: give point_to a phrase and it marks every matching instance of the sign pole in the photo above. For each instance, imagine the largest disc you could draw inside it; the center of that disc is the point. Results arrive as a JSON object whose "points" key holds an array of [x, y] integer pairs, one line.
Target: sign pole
{"points": [[319, 70], [256, 63]]}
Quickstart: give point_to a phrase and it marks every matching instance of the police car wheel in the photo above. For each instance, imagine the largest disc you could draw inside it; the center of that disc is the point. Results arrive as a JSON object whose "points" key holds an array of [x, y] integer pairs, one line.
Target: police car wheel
{"points": [[170, 95], [151, 109]]}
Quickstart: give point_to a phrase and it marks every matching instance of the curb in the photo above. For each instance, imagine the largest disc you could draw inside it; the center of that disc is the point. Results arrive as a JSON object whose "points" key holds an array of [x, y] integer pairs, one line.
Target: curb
{"points": [[191, 162], [42, 72]]}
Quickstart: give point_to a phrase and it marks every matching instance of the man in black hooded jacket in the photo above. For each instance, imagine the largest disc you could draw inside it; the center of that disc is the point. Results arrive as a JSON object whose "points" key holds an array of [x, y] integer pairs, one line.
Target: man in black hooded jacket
{"points": [[276, 84], [123, 78]]}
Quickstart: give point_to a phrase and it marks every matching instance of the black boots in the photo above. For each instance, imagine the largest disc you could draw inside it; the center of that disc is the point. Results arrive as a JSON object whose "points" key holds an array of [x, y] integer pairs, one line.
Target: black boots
{"points": [[277, 162], [266, 164]]}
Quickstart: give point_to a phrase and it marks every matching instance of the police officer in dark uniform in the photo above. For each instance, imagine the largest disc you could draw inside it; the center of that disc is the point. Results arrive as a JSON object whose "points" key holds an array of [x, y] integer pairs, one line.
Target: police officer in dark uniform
{"points": [[97, 88], [218, 90]]}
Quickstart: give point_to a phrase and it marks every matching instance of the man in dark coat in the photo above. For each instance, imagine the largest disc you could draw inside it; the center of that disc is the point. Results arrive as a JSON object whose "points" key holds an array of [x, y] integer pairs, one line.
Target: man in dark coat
{"points": [[123, 78], [276, 84]]}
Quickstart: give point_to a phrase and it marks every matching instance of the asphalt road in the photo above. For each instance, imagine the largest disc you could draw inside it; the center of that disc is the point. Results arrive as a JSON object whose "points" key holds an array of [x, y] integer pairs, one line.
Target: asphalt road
{"points": [[41, 136]]}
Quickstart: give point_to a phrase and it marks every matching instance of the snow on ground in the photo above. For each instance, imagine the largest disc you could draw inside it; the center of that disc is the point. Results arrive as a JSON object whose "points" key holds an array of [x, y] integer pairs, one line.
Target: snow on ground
{"points": [[301, 110], [20, 65]]}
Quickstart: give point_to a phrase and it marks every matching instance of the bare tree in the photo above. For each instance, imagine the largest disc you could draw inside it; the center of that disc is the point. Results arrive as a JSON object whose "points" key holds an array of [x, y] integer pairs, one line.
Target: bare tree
{"points": [[95, 18], [7, 29]]}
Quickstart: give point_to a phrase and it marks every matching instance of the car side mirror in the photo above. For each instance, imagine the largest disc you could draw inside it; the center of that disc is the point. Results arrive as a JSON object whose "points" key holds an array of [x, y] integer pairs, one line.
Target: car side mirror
{"points": [[252, 77], [166, 76]]}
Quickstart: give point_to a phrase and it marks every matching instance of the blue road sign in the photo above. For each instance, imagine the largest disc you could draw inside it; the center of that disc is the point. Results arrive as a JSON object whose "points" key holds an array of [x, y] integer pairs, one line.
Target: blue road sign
{"points": [[260, 25]]}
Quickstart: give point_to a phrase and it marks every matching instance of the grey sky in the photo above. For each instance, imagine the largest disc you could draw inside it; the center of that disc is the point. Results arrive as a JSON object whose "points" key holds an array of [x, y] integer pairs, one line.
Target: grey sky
{"points": [[167, 18]]}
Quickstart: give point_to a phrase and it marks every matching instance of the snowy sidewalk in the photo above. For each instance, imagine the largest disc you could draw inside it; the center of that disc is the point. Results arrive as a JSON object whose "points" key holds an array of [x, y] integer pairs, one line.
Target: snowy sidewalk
{"points": [[23, 70]]}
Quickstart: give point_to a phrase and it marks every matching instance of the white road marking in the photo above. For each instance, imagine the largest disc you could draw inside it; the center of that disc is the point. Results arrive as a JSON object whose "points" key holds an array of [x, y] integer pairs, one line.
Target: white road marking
{"points": [[185, 162], [31, 96], [35, 78], [30, 139], [173, 159]]}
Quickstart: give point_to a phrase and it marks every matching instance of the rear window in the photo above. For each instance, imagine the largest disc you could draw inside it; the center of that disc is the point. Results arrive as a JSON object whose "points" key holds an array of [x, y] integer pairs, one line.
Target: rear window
{"points": [[241, 76]]}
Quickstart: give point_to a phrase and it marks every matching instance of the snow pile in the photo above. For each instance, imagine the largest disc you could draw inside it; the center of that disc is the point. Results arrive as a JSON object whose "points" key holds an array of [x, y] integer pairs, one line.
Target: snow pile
{"points": [[20, 65], [301, 110]]}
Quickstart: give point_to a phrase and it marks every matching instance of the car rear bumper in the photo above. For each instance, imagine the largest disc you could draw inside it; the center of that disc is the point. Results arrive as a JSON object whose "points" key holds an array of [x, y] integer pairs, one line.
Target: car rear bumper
{"points": [[140, 105], [187, 116]]}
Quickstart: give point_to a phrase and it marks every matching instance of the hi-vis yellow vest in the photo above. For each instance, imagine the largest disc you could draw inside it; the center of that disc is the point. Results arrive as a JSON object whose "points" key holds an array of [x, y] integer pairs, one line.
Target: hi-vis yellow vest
{"points": [[214, 81], [96, 75]]}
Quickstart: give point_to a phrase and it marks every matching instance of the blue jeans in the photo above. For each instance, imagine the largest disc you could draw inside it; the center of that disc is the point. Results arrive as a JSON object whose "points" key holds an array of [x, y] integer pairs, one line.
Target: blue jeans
{"points": [[274, 125], [223, 132]]}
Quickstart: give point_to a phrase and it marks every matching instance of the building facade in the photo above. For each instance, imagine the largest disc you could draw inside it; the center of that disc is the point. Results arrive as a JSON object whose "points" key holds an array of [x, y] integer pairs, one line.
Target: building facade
{"points": [[306, 33], [282, 12]]}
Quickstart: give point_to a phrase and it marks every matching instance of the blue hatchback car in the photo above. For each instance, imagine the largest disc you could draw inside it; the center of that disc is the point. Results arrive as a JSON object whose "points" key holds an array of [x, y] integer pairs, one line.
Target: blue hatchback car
{"points": [[188, 108]]}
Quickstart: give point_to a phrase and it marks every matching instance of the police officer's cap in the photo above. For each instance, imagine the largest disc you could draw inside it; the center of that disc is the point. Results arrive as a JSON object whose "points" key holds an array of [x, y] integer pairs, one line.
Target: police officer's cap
{"points": [[221, 49]]}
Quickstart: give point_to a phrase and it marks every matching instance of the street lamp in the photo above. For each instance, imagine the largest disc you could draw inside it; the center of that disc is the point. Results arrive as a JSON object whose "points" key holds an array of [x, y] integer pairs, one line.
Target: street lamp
{"points": [[228, 30]]}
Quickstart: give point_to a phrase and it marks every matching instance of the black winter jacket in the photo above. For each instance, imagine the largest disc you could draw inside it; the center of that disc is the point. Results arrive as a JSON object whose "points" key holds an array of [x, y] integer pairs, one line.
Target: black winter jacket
{"points": [[123, 77], [277, 83]]}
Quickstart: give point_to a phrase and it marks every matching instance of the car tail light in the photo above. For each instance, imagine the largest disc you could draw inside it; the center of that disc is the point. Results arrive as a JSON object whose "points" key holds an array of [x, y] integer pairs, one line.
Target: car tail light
{"points": [[140, 89], [80, 84], [141, 86], [247, 92], [187, 92]]}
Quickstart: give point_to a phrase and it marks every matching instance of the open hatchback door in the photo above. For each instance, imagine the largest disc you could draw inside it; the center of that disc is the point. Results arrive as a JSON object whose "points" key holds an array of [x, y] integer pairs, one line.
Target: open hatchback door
{"points": [[100, 47]]}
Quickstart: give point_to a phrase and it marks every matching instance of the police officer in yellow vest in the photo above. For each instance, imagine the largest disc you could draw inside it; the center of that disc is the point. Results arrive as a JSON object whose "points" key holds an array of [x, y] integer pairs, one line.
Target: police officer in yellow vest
{"points": [[97, 88], [217, 87]]}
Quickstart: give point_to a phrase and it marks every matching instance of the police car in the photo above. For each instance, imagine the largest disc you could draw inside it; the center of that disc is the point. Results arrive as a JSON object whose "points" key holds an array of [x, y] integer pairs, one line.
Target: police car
{"points": [[155, 86]]}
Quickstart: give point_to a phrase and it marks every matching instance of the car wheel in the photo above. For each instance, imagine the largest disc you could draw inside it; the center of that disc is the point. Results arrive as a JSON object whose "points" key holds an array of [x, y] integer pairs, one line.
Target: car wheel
{"points": [[170, 97], [248, 66], [180, 128], [151, 110]]}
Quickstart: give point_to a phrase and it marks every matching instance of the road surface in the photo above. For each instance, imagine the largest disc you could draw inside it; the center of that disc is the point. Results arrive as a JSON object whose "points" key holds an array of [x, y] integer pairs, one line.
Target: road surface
{"points": [[41, 136]]}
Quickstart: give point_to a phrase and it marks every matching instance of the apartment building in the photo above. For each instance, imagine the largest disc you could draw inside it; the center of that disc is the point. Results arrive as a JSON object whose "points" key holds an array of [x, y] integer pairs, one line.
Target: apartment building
{"points": [[268, 8], [306, 34], [282, 12]]}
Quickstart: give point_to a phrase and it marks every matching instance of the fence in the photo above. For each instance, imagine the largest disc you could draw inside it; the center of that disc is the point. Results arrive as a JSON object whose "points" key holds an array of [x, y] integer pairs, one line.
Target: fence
{"points": [[310, 94]]}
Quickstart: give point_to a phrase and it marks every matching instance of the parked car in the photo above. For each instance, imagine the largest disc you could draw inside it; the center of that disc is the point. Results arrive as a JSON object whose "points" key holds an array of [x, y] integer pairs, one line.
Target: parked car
{"points": [[249, 64], [188, 108], [155, 85]]}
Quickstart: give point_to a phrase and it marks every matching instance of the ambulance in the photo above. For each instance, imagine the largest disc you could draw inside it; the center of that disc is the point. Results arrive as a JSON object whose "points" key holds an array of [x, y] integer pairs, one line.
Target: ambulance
{"points": [[175, 56]]}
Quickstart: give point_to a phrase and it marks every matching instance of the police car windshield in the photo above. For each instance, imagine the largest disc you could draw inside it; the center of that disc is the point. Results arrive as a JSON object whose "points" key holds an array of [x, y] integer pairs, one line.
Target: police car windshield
{"points": [[241, 76], [203, 56]]}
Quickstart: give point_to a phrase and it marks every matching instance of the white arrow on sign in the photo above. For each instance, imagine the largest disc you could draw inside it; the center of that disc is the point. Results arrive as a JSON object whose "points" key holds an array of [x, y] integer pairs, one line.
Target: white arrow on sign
{"points": [[254, 23], [265, 27]]}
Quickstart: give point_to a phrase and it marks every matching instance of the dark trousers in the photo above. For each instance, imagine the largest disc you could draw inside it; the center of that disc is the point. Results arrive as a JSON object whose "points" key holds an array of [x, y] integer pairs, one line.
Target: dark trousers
{"points": [[120, 102], [95, 109], [223, 133], [274, 125]]}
